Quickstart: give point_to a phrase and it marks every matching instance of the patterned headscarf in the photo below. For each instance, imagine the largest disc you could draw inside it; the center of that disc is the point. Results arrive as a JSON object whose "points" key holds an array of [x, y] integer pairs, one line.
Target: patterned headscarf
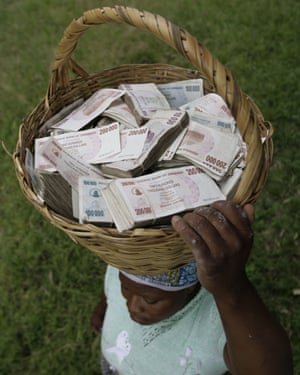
{"points": [[178, 279]]}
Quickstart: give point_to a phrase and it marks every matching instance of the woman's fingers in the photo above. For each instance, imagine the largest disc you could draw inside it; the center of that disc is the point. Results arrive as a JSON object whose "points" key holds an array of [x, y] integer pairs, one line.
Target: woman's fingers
{"points": [[220, 229], [190, 236], [221, 237], [209, 224], [241, 236]]}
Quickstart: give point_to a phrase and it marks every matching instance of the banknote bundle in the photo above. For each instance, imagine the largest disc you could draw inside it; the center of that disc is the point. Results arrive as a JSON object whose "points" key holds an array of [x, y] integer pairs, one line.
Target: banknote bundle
{"points": [[147, 199], [135, 155], [91, 204], [45, 185], [163, 128], [183, 92], [210, 149], [144, 100], [119, 111], [212, 140], [89, 109]]}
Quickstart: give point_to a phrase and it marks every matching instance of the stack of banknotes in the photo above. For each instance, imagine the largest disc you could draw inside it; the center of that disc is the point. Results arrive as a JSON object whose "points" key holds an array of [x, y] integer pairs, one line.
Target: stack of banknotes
{"points": [[135, 155]]}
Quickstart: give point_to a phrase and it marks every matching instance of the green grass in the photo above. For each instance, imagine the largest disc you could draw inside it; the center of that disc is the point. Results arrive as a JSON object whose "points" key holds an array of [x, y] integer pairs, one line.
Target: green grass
{"points": [[48, 284]]}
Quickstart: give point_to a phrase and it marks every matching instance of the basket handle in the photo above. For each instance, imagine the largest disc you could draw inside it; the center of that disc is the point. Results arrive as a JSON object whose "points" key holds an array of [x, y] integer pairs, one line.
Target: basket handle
{"points": [[179, 39], [247, 115]]}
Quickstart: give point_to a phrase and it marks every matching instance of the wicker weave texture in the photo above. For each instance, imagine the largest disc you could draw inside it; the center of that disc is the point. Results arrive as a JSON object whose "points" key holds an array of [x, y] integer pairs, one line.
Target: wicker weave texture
{"points": [[143, 250]]}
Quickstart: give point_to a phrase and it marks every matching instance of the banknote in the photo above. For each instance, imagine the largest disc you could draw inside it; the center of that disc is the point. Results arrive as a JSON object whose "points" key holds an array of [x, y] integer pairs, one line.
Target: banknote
{"points": [[144, 99], [171, 150], [209, 148], [67, 165], [92, 145], [132, 143], [163, 128], [57, 193], [230, 183], [104, 143], [50, 188], [89, 109], [205, 118], [143, 200], [92, 207], [182, 92], [213, 104], [64, 112], [40, 161], [36, 182], [119, 111]]}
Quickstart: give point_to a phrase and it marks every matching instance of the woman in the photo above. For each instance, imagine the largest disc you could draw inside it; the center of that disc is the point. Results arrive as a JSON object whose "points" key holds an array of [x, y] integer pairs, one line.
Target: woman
{"points": [[205, 318]]}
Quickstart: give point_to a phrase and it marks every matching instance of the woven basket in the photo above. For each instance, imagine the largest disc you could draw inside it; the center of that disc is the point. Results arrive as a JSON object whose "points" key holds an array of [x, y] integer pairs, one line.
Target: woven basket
{"points": [[142, 250]]}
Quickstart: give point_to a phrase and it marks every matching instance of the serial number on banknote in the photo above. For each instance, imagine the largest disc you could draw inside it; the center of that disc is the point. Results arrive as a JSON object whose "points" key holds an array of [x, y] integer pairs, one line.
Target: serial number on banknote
{"points": [[138, 131], [108, 129], [217, 162], [174, 118], [143, 210], [193, 171], [94, 213]]}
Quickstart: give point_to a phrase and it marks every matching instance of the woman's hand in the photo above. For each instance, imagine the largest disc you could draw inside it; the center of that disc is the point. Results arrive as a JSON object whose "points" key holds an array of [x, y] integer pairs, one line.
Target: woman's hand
{"points": [[221, 238]]}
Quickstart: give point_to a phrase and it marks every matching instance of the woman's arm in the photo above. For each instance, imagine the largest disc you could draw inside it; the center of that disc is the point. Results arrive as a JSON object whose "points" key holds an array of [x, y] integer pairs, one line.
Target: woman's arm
{"points": [[99, 314], [221, 238], [256, 343]]}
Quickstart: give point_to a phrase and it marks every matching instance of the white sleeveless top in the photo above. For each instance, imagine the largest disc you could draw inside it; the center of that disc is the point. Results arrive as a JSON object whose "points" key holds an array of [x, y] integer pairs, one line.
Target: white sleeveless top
{"points": [[191, 342]]}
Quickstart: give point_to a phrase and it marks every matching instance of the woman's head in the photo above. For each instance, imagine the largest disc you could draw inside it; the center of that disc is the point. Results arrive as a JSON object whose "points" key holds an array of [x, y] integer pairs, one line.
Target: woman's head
{"points": [[151, 299]]}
